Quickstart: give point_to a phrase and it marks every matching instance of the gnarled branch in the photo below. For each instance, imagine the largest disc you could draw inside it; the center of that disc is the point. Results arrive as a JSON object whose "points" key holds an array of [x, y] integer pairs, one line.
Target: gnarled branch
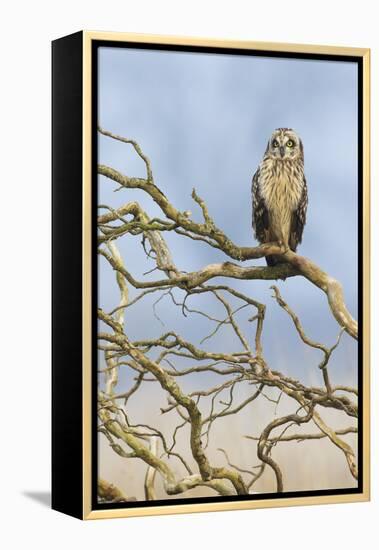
{"points": [[167, 360]]}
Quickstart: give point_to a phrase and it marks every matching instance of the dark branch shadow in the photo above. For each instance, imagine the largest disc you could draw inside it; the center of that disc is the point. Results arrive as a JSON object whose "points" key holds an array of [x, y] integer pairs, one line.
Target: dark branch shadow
{"points": [[42, 497]]}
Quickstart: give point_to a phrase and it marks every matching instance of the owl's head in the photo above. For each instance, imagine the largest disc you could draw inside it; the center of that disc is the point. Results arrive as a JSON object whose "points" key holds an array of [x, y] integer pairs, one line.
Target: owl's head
{"points": [[285, 144]]}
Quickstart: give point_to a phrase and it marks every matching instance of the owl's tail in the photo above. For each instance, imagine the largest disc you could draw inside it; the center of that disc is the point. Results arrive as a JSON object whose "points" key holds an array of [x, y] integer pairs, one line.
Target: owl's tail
{"points": [[273, 260]]}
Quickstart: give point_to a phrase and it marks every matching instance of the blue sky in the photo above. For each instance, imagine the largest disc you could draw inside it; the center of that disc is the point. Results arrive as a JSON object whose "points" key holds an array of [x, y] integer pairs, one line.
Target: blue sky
{"points": [[204, 121]]}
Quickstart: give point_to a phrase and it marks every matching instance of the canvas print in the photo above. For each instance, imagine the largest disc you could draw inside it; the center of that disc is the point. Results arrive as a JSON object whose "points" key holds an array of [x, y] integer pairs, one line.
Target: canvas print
{"points": [[228, 286]]}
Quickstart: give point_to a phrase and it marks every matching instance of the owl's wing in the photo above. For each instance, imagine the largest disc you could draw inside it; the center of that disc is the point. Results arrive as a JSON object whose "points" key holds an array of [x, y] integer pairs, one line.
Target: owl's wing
{"points": [[260, 214], [299, 219]]}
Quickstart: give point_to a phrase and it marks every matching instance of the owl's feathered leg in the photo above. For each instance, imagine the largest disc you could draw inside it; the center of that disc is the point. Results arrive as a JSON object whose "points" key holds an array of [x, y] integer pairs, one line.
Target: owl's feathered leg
{"points": [[275, 259]]}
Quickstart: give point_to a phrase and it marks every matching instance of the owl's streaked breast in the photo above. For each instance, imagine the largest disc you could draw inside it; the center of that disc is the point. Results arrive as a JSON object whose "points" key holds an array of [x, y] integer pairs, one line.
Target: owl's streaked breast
{"points": [[281, 184]]}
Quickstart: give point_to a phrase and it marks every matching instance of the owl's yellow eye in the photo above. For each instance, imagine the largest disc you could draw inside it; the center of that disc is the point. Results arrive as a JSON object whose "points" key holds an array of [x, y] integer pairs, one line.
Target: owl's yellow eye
{"points": [[290, 143], [275, 143]]}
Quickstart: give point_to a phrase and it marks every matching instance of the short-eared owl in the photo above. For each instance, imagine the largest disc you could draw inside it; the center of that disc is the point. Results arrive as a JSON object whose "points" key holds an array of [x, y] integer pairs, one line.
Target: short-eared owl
{"points": [[279, 192]]}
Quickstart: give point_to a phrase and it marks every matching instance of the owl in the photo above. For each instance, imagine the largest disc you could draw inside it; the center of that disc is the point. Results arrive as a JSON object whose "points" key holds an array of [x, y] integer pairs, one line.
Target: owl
{"points": [[279, 193]]}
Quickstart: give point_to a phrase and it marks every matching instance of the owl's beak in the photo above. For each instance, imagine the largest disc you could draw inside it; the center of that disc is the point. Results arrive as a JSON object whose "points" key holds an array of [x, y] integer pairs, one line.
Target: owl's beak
{"points": [[281, 149]]}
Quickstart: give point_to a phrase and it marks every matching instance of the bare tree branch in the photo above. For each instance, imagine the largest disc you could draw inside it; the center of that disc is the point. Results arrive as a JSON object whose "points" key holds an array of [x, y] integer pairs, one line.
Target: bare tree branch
{"points": [[297, 265], [238, 378]]}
